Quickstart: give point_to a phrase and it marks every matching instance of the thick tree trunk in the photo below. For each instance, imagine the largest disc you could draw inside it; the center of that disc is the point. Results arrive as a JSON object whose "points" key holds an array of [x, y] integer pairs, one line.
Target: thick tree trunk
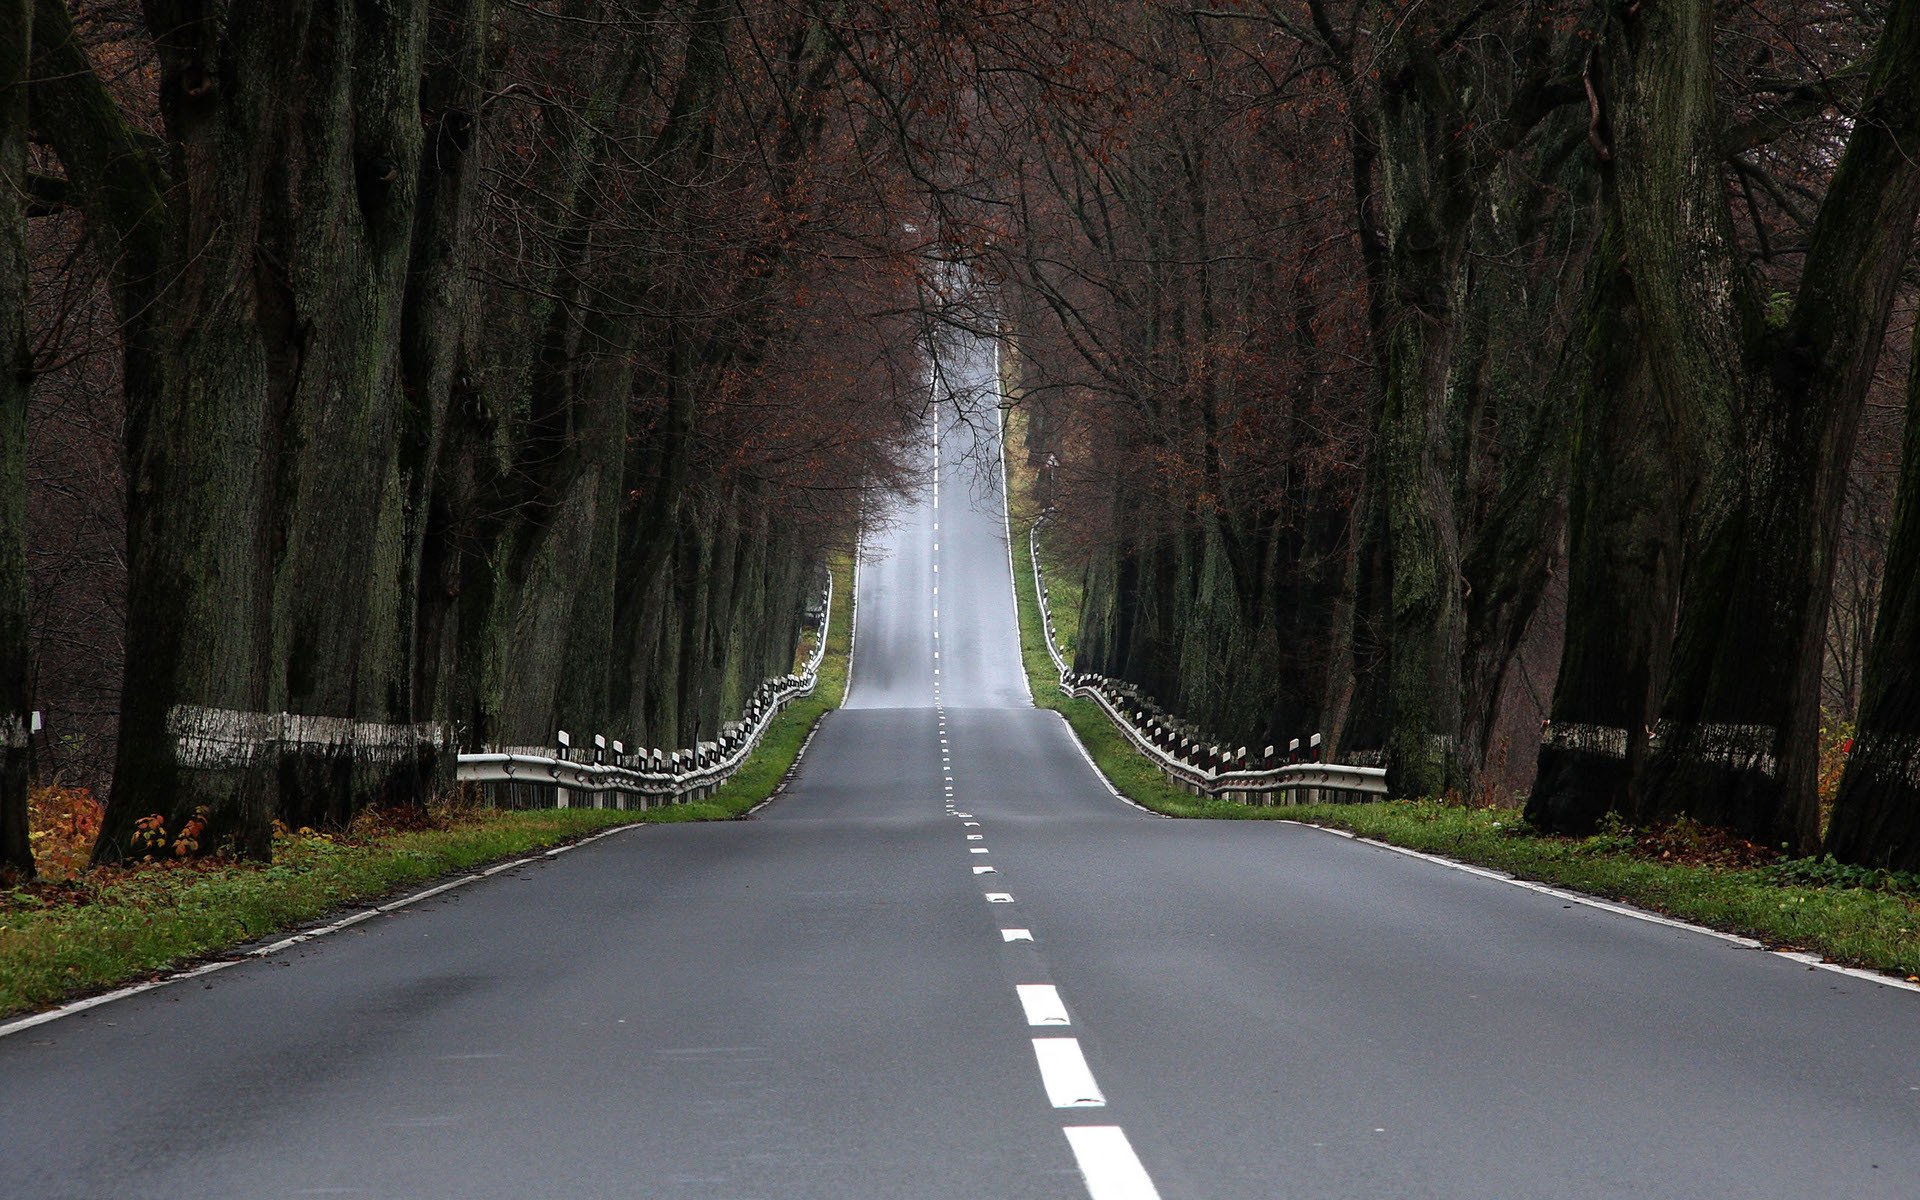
{"points": [[1671, 309], [16, 374], [1629, 495], [264, 534], [1739, 733], [1876, 817], [1424, 208], [434, 324]]}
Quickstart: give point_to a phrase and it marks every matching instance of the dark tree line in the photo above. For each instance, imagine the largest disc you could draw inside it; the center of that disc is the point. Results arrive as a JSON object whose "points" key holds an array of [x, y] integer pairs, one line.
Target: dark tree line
{"points": [[1381, 346], [487, 368], [496, 366]]}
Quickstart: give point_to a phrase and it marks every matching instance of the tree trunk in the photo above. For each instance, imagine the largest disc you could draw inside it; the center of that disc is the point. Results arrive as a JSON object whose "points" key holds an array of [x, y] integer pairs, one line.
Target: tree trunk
{"points": [[16, 374], [1739, 734], [263, 535], [1876, 817], [1629, 494], [1424, 211]]}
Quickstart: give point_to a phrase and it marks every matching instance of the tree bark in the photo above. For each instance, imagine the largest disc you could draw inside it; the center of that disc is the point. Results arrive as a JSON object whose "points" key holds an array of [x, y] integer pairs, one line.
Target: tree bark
{"points": [[1739, 732], [1876, 817], [16, 374], [260, 303]]}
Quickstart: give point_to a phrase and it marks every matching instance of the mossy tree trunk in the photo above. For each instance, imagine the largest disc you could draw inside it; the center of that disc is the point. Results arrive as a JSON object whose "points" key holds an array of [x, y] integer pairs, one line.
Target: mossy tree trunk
{"points": [[1714, 446], [1739, 723], [1629, 493], [1876, 817], [259, 279], [16, 374]]}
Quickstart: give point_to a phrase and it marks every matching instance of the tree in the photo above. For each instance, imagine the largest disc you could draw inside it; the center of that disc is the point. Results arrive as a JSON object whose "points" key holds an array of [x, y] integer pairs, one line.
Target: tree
{"points": [[16, 25], [1763, 401], [1876, 816]]}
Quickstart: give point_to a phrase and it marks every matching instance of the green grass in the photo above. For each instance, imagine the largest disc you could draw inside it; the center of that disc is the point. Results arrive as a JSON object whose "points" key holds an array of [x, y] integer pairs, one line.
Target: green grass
{"points": [[1856, 918], [111, 927], [114, 926]]}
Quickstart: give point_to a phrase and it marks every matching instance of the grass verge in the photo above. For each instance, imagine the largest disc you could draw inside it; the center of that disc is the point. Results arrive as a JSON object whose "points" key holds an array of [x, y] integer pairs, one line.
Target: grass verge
{"points": [[108, 927], [1860, 918]]}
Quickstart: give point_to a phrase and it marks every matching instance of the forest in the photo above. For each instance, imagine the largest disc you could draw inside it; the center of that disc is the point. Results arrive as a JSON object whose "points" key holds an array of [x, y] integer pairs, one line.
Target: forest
{"points": [[1518, 393]]}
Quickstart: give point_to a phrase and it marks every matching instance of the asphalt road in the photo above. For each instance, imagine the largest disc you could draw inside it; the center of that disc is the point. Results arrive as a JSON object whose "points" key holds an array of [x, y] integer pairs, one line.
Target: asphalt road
{"points": [[828, 1002]]}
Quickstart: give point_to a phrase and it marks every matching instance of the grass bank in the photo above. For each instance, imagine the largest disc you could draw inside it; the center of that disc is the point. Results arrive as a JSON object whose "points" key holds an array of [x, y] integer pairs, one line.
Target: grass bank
{"points": [[76, 933], [1861, 918]]}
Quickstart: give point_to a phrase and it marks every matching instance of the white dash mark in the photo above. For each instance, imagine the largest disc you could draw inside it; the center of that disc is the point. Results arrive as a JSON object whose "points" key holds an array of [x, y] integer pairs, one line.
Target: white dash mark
{"points": [[976, 849], [963, 814], [1109, 1165], [1043, 1004], [974, 837], [985, 871], [999, 897], [1064, 1073], [1016, 935], [972, 825]]}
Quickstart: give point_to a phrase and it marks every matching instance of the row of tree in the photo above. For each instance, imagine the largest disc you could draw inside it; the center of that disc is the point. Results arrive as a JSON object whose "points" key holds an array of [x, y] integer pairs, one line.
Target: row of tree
{"points": [[1377, 343], [487, 368]]}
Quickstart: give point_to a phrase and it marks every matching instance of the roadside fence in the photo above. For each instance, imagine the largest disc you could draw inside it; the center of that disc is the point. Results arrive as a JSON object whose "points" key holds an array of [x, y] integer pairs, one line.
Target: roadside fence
{"points": [[1197, 765], [603, 774]]}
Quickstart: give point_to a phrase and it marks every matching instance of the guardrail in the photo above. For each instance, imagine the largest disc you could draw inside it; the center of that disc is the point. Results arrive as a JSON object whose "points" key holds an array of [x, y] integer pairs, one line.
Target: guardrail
{"points": [[1179, 750], [545, 776]]}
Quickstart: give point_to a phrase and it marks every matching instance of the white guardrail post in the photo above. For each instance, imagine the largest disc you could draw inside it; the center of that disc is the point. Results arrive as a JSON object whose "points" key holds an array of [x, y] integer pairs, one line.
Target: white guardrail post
{"points": [[645, 777], [1195, 767]]}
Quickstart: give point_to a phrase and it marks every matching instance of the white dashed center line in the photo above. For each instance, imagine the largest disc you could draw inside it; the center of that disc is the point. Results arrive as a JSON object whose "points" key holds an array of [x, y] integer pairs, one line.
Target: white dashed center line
{"points": [[999, 897], [1065, 1074], [1042, 1003], [1016, 935], [1109, 1165]]}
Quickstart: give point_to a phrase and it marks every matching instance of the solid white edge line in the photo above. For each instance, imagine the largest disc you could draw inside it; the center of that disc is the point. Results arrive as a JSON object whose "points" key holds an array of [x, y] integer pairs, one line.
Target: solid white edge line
{"points": [[1113, 791], [1108, 1164], [91, 1002], [1065, 1075], [799, 757], [1042, 1004], [1624, 910]]}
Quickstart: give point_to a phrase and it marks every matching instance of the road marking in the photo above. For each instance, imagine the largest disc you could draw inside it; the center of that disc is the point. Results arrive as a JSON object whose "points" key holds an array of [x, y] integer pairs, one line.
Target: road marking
{"points": [[1065, 1075], [1625, 910], [976, 849], [90, 1002], [985, 871], [1108, 1164], [1016, 935], [1042, 1003], [999, 897], [1113, 791], [970, 824], [975, 837], [963, 814]]}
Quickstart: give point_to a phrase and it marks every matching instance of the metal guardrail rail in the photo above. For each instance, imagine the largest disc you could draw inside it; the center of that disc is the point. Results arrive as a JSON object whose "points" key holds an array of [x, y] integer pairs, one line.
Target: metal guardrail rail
{"points": [[646, 777], [1199, 768]]}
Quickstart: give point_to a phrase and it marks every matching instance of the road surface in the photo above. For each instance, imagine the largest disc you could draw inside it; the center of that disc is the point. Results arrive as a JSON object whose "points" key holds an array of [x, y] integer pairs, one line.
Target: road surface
{"points": [[833, 1000]]}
